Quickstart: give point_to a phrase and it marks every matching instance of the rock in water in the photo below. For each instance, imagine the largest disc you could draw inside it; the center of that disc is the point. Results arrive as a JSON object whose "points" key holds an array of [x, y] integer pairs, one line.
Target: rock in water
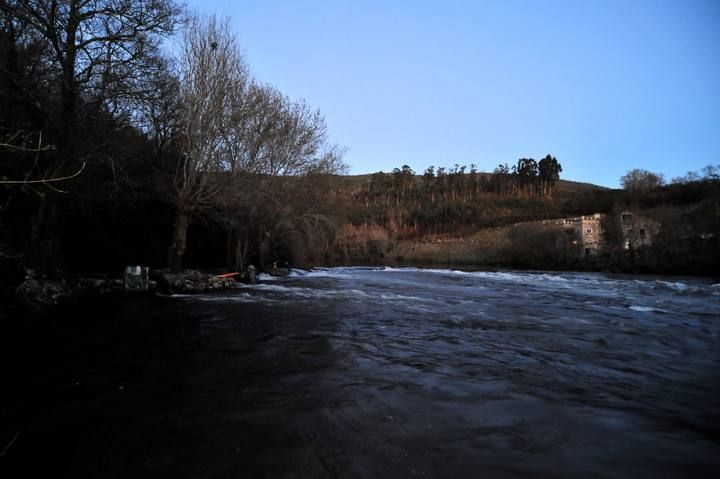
{"points": [[136, 278], [251, 275], [191, 281]]}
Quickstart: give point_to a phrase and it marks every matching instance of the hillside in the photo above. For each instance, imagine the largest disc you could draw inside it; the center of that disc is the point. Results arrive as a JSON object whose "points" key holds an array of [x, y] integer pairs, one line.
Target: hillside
{"points": [[564, 186], [391, 218]]}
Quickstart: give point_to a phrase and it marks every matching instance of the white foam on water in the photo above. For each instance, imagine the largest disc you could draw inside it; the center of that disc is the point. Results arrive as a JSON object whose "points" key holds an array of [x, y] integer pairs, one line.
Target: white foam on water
{"points": [[646, 309], [355, 293], [509, 276], [294, 273], [267, 287], [712, 289], [309, 293], [588, 284], [521, 277], [402, 297], [403, 270], [302, 273], [568, 280], [326, 273], [682, 287], [239, 298], [352, 294]]}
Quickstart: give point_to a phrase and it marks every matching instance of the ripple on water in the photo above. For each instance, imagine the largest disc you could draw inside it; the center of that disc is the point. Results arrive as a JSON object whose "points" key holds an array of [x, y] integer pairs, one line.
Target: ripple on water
{"points": [[524, 368]]}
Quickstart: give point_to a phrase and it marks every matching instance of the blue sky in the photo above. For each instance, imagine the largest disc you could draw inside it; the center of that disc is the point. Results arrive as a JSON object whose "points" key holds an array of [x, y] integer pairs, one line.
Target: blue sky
{"points": [[604, 86]]}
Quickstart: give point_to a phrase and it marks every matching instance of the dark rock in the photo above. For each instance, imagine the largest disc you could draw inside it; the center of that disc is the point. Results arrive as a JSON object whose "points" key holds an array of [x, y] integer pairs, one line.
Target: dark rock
{"points": [[100, 286], [279, 272], [251, 275], [190, 282], [136, 279], [38, 295]]}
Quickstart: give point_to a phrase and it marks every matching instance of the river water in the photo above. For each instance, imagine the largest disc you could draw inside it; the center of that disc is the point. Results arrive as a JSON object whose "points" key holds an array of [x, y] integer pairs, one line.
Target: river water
{"points": [[383, 372]]}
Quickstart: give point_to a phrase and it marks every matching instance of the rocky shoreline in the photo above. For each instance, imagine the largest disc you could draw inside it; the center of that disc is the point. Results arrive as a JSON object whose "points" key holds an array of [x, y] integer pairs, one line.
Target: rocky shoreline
{"points": [[38, 293]]}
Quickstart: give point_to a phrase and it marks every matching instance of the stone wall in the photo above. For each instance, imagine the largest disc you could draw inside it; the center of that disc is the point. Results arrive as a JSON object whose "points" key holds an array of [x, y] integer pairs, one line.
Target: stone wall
{"points": [[637, 231]]}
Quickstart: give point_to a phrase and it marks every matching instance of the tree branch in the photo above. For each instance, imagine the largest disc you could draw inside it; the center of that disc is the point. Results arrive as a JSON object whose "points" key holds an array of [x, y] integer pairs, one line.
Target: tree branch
{"points": [[45, 181]]}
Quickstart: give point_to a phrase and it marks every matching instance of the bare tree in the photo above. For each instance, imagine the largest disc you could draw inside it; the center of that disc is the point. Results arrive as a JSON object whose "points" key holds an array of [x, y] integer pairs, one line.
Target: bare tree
{"points": [[97, 49], [638, 180], [252, 127], [329, 162], [300, 133], [20, 142], [239, 142], [213, 75]]}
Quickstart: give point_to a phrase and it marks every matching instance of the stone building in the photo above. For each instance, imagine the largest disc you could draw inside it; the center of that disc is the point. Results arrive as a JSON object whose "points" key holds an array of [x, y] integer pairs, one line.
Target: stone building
{"points": [[589, 229], [637, 231]]}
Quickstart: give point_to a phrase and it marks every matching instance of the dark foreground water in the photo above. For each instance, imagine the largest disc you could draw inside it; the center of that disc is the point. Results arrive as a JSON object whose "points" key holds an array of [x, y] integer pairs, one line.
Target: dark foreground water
{"points": [[375, 373]]}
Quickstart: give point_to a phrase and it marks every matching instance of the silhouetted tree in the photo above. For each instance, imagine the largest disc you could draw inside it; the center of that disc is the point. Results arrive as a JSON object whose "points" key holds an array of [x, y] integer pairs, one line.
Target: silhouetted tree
{"points": [[69, 71], [212, 71], [549, 170], [638, 180]]}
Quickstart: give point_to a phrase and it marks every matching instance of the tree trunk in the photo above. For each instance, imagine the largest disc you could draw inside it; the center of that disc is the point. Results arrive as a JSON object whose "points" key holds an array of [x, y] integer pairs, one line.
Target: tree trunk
{"points": [[179, 241], [263, 249], [68, 88], [241, 252], [229, 258], [238, 254], [44, 238]]}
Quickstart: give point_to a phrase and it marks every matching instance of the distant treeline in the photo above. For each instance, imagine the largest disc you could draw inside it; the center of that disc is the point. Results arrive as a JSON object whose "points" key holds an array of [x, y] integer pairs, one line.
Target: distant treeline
{"points": [[454, 199], [528, 178]]}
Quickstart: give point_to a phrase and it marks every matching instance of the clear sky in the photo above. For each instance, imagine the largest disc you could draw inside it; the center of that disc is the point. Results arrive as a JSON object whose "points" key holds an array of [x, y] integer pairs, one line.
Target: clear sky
{"points": [[604, 86]]}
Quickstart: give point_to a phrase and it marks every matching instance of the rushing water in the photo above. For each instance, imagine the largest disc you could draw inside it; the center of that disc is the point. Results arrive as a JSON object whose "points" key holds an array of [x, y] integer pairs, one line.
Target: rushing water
{"points": [[362, 372]]}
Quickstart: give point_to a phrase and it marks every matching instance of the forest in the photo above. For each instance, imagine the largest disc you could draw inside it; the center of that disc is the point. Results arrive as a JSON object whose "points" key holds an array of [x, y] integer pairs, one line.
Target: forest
{"points": [[127, 125], [450, 199]]}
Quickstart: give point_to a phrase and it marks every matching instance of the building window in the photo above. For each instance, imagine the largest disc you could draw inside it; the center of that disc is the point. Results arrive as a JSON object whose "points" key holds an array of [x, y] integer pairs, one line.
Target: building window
{"points": [[626, 218], [642, 233], [588, 231]]}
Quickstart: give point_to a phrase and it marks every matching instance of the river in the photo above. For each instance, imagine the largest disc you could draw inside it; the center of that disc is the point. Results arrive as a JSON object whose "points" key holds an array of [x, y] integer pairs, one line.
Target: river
{"points": [[378, 372]]}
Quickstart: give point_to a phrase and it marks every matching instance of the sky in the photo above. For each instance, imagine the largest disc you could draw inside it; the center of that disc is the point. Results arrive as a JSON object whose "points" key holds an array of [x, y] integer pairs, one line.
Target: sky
{"points": [[604, 86]]}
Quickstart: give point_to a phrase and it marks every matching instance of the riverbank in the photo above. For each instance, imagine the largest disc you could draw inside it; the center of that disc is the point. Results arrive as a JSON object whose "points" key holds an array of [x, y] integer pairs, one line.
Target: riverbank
{"points": [[509, 247], [39, 294]]}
